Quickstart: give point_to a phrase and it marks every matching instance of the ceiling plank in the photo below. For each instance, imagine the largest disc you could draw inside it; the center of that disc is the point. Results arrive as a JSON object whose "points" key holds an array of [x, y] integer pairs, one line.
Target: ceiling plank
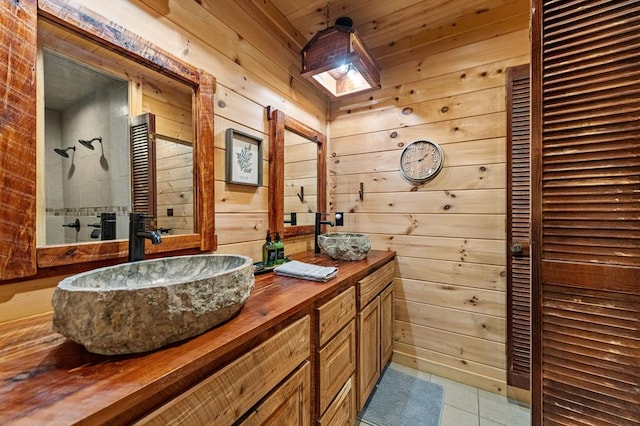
{"points": [[510, 15]]}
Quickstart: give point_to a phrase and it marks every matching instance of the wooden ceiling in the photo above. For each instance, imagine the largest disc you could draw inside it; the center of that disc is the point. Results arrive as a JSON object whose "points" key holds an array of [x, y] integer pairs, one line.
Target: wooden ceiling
{"points": [[397, 31]]}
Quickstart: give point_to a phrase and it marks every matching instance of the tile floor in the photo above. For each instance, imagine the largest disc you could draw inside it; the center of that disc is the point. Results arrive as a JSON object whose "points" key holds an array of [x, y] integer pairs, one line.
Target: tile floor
{"points": [[468, 406]]}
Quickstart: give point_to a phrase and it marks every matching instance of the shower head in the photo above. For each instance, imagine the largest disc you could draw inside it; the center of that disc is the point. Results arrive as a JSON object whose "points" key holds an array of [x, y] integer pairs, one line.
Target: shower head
{"points": [[63, 152], [89, 143]]}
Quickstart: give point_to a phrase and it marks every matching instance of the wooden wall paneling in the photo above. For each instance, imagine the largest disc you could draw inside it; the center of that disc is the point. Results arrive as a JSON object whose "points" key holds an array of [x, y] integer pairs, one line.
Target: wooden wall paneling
{"points": [[209, 43], [486, 201], [240, 198], [488, 277], [242, 227], [18, 140], [478, 152], [172, 107], [452, 82], [463, 129], [466, 323], [450, 232], [485, 176], [449, 108], [26, 298], [451, 343], [443, 248], [480, 226], [488, 302], [240, 109], [457, 368]]}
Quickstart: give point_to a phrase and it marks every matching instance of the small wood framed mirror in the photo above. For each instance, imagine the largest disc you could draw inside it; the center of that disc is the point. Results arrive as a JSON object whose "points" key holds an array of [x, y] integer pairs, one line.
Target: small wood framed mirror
{"points": [[296, 185]]}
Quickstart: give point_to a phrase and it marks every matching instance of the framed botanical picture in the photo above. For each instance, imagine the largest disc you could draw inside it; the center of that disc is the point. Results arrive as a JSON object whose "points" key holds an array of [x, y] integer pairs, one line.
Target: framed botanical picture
{"points": [[244, 158]]}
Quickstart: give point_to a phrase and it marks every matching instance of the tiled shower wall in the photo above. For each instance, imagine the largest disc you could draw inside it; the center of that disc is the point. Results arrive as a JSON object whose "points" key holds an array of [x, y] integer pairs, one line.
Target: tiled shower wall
{"points": [[88, 182]]}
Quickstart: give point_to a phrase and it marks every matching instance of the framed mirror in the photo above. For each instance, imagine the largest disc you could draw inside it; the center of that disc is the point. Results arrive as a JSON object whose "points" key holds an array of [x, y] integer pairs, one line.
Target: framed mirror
{"points": [[136, 77], [297, 174]]}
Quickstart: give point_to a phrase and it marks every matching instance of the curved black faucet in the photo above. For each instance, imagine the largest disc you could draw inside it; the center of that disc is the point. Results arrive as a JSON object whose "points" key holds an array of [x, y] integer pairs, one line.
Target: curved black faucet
{"points": [[137, 234], [318, 229]]}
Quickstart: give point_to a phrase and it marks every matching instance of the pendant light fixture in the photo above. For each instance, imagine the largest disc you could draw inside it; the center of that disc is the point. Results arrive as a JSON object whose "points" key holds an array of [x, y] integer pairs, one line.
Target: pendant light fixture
{"points": [[336, 61]]}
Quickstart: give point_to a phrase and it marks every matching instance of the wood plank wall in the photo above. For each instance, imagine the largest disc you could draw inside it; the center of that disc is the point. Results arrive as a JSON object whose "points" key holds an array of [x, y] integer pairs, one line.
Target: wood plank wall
{"points": [[253, 70], [449, 233]]}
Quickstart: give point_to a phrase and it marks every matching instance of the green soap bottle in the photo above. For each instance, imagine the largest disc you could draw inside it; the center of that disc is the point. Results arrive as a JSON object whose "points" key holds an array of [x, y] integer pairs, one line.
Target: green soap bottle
{"points": [[268, 252], [279, 246]]}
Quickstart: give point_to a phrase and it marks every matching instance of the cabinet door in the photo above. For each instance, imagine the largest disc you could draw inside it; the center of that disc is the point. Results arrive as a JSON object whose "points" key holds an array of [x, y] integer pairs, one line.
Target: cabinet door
{"points": [[368, 350], [288, 405], [337, 362], [386, 324], [342, 410], [226, 395]]}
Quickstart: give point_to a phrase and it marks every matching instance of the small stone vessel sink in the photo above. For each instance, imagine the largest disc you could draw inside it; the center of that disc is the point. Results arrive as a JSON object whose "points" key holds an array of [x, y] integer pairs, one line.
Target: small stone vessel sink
{"points": [[141, 306], [345, 246]]}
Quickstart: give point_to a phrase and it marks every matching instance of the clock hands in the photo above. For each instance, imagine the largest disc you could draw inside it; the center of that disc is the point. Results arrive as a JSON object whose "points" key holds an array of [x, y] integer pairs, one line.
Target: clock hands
{"points": [[419, 160]]}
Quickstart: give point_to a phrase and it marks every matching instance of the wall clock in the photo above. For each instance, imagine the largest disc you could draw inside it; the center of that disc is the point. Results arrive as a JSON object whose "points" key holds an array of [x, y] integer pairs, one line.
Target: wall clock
{"points": [[421, 161]]}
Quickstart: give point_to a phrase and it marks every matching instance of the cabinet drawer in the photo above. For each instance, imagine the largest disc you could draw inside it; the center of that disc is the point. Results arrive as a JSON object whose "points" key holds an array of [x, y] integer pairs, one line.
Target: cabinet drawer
{"points": [[288, 405], [373, 283], [336, 313], [337, 362], [225, 396], [342, 410]]}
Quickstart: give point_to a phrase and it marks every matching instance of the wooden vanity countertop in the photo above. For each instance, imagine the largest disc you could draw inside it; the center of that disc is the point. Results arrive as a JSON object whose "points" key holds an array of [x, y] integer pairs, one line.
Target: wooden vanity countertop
{"points": [[47, 379]]}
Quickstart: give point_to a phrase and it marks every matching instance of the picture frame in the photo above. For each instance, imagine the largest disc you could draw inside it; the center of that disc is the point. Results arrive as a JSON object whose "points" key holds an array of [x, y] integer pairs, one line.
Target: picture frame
{"points": [[243, 158]]}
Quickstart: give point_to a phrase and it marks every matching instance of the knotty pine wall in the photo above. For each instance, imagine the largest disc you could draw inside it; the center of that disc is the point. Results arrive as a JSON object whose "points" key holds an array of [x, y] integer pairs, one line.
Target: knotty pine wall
{"points": [[449, 234], [252, 70]]}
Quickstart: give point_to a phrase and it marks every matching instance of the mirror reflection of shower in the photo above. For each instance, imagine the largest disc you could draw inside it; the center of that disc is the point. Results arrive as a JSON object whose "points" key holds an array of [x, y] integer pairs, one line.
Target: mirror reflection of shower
{"points": [[83, 107], [89, 143], [104, 163], [63, 152]]}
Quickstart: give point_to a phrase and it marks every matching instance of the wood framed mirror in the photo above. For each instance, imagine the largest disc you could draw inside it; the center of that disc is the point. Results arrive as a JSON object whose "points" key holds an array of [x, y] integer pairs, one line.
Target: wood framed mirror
{"points": [[291, 170], [21, 254]]}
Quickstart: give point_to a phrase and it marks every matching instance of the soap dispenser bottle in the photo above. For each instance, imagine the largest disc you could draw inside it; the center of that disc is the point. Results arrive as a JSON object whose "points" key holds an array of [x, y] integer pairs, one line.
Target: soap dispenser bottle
{"points": [[268, 252], [279, 246]]}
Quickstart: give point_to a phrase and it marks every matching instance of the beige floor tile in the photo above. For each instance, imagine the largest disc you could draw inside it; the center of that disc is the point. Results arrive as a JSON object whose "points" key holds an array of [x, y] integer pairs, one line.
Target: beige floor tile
{"points": [[452, 416], [502, 410], [458, 395]]}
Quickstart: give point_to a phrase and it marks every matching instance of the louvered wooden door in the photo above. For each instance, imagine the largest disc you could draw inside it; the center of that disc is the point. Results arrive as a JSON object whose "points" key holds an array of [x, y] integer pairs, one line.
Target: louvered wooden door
{"points": [[518, 224], [586, 212], [143, 164]]}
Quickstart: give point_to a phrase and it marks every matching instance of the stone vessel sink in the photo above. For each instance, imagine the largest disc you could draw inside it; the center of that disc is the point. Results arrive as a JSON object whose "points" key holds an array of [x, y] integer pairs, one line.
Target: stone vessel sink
{"points": [[141, 306], [344, 245]]}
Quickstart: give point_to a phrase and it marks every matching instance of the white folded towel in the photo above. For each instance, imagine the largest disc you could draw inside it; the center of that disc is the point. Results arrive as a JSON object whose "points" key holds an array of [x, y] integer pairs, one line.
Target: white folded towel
{"points": [[306, 271]]}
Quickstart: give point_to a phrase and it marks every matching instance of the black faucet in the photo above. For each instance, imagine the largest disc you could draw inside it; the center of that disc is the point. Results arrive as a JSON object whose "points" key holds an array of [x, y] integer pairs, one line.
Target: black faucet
{"points": [[293, 221], [320, 222], [137, 234]]}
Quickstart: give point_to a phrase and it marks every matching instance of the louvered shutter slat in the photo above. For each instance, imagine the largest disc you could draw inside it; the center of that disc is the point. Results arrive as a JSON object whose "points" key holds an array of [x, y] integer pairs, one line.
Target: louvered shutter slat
{"points": [[587, 212]]}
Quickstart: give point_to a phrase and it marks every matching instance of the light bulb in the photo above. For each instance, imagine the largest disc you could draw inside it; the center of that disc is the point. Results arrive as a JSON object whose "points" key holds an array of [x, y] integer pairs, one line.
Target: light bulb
{"points": [[342, 69]]}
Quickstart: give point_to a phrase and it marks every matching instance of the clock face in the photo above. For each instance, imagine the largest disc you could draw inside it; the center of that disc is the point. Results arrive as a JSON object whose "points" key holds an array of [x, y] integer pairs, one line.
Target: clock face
{"points": [[421, 161]]}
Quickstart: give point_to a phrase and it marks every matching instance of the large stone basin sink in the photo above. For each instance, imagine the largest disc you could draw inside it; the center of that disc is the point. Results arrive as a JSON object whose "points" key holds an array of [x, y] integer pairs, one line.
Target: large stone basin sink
{"points": [[345, 245], [141, 306]]}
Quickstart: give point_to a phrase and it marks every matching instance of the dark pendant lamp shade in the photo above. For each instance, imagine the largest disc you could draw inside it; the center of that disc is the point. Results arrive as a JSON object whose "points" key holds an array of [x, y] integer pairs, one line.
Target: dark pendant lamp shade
{"points": [[336, 61]]}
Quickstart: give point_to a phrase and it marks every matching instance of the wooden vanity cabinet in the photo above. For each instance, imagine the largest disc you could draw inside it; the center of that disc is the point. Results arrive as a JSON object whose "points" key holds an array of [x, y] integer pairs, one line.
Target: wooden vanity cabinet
{"points": [[336, 359], [288, 404], [229, 394], [375, 329]]}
